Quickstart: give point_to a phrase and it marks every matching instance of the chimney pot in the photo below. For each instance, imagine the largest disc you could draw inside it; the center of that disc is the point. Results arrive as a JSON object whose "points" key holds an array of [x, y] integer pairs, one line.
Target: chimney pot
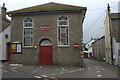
{"points": [[3, 4], [3, 11]]}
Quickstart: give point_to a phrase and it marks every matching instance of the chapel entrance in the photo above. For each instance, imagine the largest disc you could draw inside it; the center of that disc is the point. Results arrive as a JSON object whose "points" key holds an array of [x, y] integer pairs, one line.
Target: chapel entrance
{"points": [[45, 52]]}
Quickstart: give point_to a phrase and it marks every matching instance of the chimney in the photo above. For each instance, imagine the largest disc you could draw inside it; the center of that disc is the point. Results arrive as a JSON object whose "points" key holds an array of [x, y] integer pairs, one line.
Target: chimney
{"points": [[3, 11]]}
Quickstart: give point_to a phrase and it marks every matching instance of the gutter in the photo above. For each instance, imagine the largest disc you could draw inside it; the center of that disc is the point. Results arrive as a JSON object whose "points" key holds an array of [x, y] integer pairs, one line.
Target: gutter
{"points": [[47, 11]]}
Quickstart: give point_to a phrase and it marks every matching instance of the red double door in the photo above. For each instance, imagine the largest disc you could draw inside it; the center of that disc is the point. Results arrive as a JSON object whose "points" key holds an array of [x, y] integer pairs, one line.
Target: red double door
{"points": [[45, 52]]}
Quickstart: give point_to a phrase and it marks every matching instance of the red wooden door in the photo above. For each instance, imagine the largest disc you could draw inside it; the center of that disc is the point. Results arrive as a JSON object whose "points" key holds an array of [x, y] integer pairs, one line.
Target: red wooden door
{"points": [[8, 52], [45, 52]]}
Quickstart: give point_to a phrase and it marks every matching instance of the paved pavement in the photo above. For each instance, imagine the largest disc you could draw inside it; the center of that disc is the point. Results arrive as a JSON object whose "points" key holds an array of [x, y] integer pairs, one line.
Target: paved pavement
{"points": [[20, 71], [93, 69], [46, 71], [11, 72]]}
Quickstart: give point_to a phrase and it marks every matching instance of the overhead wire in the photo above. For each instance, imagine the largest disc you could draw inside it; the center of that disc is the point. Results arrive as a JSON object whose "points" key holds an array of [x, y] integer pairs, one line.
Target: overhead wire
{"points": [[99, 18], [95, 21], [97, 9]]}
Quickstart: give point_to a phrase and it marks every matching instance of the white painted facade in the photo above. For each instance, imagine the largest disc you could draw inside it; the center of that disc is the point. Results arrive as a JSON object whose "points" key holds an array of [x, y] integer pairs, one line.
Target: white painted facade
{"points": [[7, 31], [89, 47], [115, 51], [3, 42]]}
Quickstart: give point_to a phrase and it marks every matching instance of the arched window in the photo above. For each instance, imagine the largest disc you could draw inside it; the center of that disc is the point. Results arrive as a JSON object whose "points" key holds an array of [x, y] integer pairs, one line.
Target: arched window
{"points": [[63, 36], [28, 32]]}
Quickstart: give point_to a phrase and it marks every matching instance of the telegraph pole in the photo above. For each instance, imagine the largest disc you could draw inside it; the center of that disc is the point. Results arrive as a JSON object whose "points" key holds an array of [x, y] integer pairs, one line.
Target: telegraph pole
{"points": [[110, 27]]}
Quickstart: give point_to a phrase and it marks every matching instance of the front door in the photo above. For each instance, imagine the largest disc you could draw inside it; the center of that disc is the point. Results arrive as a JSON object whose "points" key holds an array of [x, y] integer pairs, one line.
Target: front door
{"points": [[8, 52], [45, 52]]}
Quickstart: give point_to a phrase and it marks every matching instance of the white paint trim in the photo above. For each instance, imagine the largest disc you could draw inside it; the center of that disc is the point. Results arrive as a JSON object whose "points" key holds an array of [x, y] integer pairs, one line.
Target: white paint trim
{"points": [[33, 32], [27, 46], [58, 36], [63, 45]]}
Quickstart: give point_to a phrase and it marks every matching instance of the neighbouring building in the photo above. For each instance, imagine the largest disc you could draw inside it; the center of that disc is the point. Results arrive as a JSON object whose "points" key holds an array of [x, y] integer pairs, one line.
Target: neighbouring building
{"points": [[48, 33], [108, 41], [112, 37], [5, 29], [115, 21], [88, 46], [98, 49]]}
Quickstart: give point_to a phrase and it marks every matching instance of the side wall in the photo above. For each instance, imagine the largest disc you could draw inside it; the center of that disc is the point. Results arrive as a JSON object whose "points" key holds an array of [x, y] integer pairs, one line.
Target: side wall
{"points": [[7, 31], [107, 40], [99, 49], [115, 52]]}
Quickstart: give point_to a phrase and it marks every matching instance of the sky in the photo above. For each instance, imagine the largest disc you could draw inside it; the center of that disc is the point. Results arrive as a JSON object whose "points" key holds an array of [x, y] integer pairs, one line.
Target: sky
{"points": [[93, 25]]}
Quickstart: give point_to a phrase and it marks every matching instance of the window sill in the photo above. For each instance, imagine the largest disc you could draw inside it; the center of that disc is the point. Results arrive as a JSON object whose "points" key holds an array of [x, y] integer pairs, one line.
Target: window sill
{"points": [[26, 47], [63, 46]]}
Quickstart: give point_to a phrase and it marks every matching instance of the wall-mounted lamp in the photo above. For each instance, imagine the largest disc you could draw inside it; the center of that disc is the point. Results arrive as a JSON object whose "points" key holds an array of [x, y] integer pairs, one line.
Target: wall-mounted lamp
{"points": [[35, 47]]}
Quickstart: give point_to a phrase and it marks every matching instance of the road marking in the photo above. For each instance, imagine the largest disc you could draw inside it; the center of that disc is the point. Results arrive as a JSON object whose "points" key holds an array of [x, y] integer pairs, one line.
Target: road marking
{"points": [[38, 77], [99, 75], [4, 70], [78, 70], [41, 67], [98, 71], [71, 71], [88, 68], [14, 70], [61, 72], [36, 70], [75, 70], [44, 75], [97, 68], [52, 77]]}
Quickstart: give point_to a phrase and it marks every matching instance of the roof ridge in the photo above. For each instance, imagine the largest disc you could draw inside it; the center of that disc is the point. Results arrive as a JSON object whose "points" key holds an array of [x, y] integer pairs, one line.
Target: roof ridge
{"points": [[67, 4]]}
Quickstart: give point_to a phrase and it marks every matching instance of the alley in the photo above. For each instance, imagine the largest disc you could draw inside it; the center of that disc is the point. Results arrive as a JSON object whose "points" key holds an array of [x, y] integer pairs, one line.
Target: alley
{"points": [[93, 69]]}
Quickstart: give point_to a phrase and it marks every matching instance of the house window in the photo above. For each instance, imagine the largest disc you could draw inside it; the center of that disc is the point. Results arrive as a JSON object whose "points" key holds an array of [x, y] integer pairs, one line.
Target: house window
{"points": [[28, 32], [63, 33]]}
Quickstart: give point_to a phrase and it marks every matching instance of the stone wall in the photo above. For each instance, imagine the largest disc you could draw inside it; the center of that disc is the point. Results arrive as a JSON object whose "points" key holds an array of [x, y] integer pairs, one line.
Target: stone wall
{"points": [[99, 49], [61, 55]]}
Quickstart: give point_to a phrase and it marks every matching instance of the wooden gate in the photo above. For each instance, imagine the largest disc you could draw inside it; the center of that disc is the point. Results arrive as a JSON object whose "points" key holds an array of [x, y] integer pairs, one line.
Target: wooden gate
{"points": [[45, 52]]}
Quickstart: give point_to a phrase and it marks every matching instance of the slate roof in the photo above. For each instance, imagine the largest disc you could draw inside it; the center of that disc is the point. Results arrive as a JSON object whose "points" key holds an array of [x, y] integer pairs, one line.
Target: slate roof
{"points": [[47, 7]]}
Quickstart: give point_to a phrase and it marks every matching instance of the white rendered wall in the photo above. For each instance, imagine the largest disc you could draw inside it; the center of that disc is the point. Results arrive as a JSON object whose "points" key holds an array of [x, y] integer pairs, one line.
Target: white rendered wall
{"points": [[4, 41], [115, 51]]}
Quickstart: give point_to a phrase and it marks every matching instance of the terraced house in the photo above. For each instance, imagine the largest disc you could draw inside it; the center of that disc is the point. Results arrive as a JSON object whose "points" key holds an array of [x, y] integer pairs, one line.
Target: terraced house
{"points": [[47, 34], [5, 30]]}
